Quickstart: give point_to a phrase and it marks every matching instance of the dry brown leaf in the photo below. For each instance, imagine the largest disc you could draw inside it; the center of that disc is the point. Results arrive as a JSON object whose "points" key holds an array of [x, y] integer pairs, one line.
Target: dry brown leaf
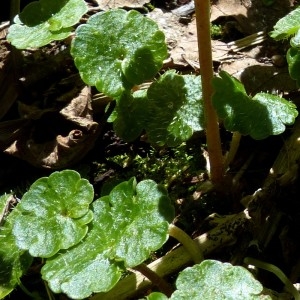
{"points": [[109, 4], [182, 39], [260, 76], [56, 139], [252, 15]]}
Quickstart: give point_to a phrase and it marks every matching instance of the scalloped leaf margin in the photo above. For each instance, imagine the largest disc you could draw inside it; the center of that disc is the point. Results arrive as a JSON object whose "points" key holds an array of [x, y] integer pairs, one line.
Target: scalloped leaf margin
{"points": [[129, 223], [54, 214], [116, 50], [260, 116], [44, 21]]}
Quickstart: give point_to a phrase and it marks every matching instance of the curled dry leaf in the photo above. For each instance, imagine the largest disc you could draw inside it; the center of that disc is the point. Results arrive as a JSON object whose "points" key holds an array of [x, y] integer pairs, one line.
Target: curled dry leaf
{"points": [[55, 139]]}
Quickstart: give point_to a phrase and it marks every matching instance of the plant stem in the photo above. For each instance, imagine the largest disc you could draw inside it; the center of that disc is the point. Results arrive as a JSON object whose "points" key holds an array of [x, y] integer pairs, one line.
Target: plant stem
{"points": [[202, 8], [174, 261], [187, 242], [275, 270], [155, 279], [234, 145]]}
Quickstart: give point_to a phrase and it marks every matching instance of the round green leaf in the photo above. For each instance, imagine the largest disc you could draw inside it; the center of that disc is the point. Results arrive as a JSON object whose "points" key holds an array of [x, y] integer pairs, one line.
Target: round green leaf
{"points": [[260, 116], [54, 213], [117, 49], [213, 280], [128, 224], [44, 21], [175, 109]]}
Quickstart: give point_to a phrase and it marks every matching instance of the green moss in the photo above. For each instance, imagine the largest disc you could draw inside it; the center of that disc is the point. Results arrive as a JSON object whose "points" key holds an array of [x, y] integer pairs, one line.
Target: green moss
{"points": [[216, 31]]}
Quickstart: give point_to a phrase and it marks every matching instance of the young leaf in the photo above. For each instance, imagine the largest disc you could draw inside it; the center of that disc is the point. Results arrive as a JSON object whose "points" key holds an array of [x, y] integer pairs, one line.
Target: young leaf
{"points": [[13, 261], [260, 116], [44, 21], [117, 49], [213, 280], [293, 59], [54, 213], [287, 26], [128, 224], [131, 115], [174, 109]]}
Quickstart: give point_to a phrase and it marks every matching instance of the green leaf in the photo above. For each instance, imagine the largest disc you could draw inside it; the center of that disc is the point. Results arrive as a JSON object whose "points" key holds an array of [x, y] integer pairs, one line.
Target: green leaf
{"points": [[131, 114], [293, 59], [175, 109], [295, 40], [117, 49], [44, 21], [54, 213], [13, 261], [287, 26], [4, 204], [157, 296], [213, 280], [260, 116], [128, 224]]}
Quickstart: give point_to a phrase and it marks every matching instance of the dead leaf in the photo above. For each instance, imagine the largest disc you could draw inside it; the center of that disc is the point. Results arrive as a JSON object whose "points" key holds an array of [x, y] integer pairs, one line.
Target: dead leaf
{"points": [[110, 4], [252, 15], [182, 39], [56, 139]]}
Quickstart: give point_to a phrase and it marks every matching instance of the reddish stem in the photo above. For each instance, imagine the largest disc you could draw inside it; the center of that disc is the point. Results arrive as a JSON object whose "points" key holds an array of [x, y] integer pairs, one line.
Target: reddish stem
{"points": [[202, 8]]}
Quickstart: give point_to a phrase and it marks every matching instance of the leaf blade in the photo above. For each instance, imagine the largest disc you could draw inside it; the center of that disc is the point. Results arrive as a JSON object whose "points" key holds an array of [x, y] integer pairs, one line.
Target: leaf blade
{"points": [[54, 213]]}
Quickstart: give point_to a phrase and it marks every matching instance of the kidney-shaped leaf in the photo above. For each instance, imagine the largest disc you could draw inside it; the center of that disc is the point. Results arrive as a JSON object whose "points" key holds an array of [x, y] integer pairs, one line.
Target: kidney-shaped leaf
{"points": [[213, 280], [44, 21], [175, 109], [54, 213], [128, 224], [260, 116], [117, 49]]}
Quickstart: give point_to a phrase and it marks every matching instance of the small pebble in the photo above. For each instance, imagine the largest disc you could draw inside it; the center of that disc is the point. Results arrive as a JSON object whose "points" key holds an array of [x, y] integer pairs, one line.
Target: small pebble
{"points": [[278, 60]]}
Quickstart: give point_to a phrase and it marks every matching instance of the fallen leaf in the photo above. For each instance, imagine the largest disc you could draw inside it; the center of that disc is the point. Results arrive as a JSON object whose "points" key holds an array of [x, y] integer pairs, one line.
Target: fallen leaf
{"points": [[110, 4], [56, 139]]}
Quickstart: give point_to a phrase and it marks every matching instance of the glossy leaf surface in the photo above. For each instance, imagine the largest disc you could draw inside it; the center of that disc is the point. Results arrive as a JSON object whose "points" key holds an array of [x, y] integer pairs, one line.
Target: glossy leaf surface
{"points": [[293, 59], [116, 49], [44, 21], [128, 224], [213, 280], [175, 109], [54, 213], [287, 25], [259, 117], [14, 262]]}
